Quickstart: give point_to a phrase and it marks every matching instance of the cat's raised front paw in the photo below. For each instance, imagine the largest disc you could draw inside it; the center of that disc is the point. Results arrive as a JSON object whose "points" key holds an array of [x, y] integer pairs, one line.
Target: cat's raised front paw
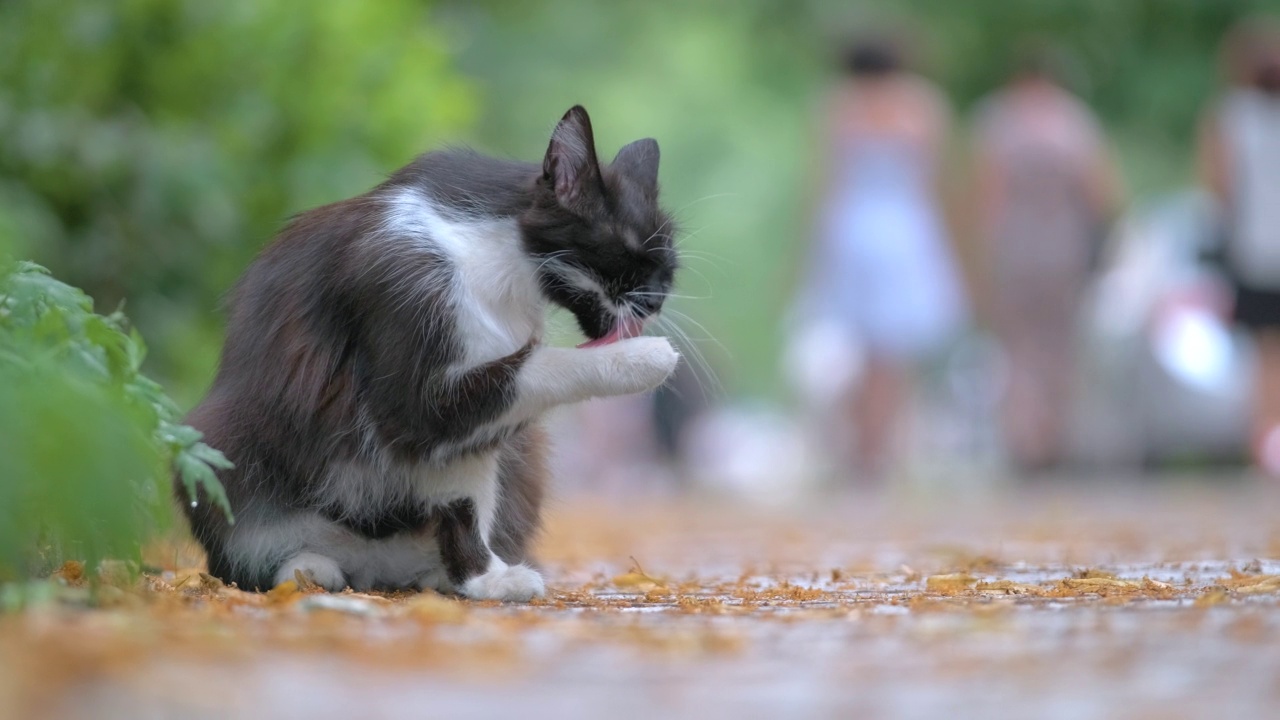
{"points": [[642, 363], [321, 570], [516, 583]]}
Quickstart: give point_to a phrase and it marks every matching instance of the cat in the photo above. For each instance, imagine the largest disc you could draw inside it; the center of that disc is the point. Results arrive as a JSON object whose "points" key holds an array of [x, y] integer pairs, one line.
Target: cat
{"points": [[383, 373]]}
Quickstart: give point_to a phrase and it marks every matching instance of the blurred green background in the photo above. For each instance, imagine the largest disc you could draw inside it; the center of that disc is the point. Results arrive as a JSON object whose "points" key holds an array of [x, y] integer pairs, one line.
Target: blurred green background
{"points": [[149, 148]]}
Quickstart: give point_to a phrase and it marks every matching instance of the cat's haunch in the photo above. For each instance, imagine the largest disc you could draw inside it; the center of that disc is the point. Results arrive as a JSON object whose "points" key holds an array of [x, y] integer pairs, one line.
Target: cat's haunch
{"points": [[383, 377]]}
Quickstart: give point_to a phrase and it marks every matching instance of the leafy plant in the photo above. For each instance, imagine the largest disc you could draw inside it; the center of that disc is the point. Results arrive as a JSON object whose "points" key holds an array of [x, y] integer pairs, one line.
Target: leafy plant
{"points": [[87, 443]]}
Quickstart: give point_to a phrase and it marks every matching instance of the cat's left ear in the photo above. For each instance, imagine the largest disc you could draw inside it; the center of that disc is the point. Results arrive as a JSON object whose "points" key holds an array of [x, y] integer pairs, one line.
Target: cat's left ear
{"points": [[570, 164], [639, 161]]}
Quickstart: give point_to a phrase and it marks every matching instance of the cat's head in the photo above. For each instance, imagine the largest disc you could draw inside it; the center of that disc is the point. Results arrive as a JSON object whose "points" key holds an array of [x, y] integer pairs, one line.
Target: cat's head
{"points": [[602, 244]]}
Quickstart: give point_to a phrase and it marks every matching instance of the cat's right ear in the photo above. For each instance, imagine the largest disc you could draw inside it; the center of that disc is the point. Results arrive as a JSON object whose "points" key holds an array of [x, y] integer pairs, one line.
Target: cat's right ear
{"points": [[570, 165]]}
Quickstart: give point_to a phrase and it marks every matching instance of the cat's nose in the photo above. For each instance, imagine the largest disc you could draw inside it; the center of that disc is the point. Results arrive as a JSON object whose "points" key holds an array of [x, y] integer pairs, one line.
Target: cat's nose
{"points": [[647, 304]]}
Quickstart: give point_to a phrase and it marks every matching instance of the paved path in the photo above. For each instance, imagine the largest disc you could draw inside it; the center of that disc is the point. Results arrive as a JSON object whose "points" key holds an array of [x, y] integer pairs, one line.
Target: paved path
{"points": [[1148, 601]]}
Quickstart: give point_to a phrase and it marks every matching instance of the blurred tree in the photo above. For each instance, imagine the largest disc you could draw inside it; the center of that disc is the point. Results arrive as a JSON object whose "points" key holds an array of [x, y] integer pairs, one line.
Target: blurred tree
{"points": [[151, 147], [1146, 66]]}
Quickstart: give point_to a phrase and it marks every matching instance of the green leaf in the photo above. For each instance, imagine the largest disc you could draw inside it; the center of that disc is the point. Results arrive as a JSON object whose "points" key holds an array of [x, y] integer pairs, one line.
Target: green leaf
{"points": [[88, 445]]}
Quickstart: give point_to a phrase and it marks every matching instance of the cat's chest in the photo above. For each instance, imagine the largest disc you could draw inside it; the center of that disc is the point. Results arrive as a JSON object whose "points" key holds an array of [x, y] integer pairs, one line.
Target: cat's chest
{"points": [[498, 306], [492, 288]]}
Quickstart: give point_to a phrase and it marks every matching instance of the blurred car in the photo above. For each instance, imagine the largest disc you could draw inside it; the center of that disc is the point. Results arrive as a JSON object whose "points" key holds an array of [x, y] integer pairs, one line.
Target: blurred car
{"points": [[1164, 376]]}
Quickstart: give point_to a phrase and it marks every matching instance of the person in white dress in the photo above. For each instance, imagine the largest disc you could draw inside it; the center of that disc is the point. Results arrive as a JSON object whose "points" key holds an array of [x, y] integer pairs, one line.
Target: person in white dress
{"points": [[882, 265]]}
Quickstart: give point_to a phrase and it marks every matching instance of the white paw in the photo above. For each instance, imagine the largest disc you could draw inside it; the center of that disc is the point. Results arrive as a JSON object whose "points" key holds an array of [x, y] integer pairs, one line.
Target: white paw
{"points": [[642, 363], [517, 583], [319, 569], [435, 579]]}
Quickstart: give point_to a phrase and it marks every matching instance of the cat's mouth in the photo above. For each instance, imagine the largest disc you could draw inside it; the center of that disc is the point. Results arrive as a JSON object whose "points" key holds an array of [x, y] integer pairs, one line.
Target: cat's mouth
{"points": [[624, 328]]}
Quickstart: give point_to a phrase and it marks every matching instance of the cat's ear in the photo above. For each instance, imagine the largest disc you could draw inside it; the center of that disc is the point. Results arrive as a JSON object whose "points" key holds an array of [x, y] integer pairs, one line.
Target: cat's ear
{"points": [[570, 164], [639, 161]]}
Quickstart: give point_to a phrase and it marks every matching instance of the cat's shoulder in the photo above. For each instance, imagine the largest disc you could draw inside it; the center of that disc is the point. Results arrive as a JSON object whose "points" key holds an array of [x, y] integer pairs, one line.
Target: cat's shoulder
{"points": [[462, 181]]}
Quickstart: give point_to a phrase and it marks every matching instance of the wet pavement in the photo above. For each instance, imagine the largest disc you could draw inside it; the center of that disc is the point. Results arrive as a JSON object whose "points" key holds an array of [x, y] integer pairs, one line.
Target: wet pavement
{"points": [[1073, 600]]}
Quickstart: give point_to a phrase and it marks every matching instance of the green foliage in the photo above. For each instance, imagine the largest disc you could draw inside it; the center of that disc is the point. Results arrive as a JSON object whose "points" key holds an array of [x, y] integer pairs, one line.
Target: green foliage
{"points": [[152, 146], [87, 443]]}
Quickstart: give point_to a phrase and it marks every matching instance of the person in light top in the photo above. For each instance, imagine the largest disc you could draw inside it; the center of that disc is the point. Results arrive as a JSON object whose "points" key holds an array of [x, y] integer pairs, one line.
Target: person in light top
{"points": [[1239, 158]]}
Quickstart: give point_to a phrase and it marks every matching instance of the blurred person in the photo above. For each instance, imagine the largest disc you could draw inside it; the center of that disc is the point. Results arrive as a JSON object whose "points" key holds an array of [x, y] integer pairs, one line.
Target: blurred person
{"points": [[1046, 187], [1239, 153], [882, 269]]}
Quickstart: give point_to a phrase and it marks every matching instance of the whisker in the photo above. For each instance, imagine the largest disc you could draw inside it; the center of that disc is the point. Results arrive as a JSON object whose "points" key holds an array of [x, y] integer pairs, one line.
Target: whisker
{"points": [[709, 285], [703, 371], [678, 296], [703, 255], [703, 277], [704, 198], [675, 215], [707, 378], [704, 330], [687, 236], [552, 257]]}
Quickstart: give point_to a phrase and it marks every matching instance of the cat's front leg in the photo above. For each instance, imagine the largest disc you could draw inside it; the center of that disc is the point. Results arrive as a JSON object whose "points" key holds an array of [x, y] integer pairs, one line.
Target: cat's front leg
{"points": [[558, 376], [471, 566], [512, 583]]}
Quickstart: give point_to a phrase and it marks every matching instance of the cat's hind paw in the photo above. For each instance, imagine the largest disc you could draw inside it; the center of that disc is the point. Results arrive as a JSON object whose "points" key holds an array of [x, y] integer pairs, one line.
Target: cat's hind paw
{"points": [[319, 569], [514, 583], [435, 579]]}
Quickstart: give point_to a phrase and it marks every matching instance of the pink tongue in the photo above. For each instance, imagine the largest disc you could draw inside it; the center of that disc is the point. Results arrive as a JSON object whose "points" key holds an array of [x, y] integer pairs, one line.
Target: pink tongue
{"points": [[629, 328]]}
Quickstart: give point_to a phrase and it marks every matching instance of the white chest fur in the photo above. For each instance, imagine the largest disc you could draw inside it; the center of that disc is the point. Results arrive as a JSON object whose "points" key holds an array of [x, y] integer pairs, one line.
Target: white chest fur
{"points": [[494, 288]]}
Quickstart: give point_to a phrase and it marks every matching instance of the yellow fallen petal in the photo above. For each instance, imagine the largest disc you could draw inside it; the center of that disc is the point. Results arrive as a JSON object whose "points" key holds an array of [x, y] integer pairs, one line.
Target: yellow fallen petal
{"points": [[71, 571], [1239, 580], [1097, 583], [1149, 584], [284, 592], [1008, 587], [1270, 585], [636, 580], [1214, 596], [432, 608], [304, 582], [209, 582], [953, 583]]}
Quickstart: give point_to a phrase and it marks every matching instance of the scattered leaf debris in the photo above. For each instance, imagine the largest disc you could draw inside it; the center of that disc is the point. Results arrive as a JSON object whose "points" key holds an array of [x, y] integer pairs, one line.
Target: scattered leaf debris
{"points": [[717, 587]]}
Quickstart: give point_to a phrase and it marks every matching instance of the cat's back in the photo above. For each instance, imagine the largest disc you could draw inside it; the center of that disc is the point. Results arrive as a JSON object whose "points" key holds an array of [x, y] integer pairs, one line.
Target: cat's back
{"points": [[313, 243], [439, 233], [454, 185], [464, 182]]}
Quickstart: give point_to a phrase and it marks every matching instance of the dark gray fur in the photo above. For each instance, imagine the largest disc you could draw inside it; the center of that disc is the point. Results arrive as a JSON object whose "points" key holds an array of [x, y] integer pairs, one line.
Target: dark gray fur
{"points": [[320, 329]]}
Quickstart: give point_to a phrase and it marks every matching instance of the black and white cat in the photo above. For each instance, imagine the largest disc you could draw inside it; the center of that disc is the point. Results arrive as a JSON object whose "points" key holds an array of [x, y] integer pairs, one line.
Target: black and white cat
{"points": [[383, 372]]}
